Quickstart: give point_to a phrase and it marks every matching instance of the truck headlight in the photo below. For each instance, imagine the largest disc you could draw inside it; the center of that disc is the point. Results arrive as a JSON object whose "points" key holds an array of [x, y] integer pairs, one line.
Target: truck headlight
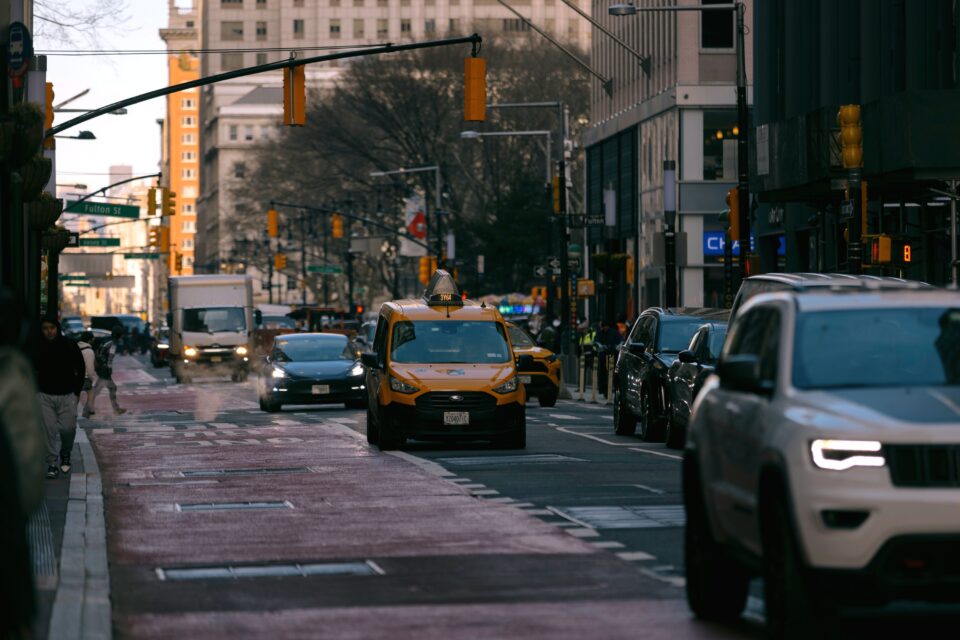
{"points": [[840, 455], [401, 387], [507, 387], [189, 352], [241, 350]]}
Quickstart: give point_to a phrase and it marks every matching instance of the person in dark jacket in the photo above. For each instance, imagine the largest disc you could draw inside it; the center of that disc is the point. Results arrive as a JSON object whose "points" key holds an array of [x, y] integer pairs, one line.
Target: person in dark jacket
{"points": [[60, 371]]}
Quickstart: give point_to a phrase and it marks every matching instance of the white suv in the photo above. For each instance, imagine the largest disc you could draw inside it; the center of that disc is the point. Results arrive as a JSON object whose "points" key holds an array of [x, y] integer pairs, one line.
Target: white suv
{"points": [[825, 456]]}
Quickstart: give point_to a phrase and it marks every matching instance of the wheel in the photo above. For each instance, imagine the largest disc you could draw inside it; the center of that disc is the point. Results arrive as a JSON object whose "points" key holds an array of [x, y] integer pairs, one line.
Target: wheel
{"points": [[517, 439], [676, 436], [548, 400], [242, 376], [355, 404], [373, 434], [651, 428], [792, 609], [716, 586], [387, 437], [270, 406], [624, 424]]}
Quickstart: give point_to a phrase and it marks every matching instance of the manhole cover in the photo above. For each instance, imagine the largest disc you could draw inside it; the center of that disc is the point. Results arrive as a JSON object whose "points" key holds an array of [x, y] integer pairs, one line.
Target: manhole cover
{"points": [[534, 458], [206, 473], [647, 517], [233, 506], [228, 572]]}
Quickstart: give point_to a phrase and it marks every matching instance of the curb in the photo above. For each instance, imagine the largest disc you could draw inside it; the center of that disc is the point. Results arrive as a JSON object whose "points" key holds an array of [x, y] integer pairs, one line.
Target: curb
{"points": [[81, 608]]}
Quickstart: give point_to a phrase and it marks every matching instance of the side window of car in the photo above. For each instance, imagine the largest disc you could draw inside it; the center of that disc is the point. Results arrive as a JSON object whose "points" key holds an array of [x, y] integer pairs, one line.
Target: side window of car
{"points": [[634, 335], [380, 340], [650, 331], [749, 333], [770, 350], [697, 342]]}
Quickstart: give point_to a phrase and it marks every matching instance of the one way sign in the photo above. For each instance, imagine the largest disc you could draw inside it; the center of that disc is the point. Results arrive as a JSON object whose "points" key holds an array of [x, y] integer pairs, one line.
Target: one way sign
{"points": [[540, 271]]}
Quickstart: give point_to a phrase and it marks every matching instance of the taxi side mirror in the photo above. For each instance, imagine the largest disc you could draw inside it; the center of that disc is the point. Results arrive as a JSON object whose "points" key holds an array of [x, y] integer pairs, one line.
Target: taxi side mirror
{"points": [[369, 360], [525, 362]]}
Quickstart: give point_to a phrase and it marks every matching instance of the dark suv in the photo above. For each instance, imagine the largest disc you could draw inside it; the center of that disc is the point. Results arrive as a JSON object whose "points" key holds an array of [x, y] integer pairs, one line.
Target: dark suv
{"points": [[640, 376]]}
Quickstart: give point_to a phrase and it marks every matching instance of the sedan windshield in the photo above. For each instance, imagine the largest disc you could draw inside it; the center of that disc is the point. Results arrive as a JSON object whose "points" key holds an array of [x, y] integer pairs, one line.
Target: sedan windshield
{"points": [[675, 335], [519, 338], [214, 319], [448, 342], [318, 350], [877, 348]]}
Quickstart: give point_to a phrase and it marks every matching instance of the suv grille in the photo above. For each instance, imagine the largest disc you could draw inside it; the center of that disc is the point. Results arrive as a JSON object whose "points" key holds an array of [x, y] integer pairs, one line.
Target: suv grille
{"points": [[443, 401], [916, 465]]}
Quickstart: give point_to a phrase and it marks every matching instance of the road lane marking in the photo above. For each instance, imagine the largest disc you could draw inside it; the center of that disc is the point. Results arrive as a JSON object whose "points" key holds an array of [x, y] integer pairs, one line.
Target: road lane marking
{"points": [[539, 512], [563, 416], [635, 556], [484, 492], [607, 544], [582, 533], [592, 437], [624, 517], [657, 453]]}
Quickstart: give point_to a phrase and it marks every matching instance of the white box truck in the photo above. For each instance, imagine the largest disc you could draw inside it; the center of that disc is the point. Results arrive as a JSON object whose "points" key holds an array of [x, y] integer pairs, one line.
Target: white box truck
{"points": [[211, 326]]}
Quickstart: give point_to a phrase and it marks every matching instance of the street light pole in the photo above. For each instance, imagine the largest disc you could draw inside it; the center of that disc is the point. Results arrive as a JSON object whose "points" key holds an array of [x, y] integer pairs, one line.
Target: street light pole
{"points": [[436, 179]]}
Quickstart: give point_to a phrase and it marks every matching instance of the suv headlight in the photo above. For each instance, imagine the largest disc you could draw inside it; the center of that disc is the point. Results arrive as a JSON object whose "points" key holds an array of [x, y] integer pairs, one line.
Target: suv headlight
{"points": [[507, 387], [840, 455], [189, 352], [278, 373], [401, 387], [241, 350], [357, 370]]}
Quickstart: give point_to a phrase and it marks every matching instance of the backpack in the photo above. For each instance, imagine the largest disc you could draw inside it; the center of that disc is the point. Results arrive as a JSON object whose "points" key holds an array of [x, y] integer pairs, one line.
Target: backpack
{"points": [[101, 359]]}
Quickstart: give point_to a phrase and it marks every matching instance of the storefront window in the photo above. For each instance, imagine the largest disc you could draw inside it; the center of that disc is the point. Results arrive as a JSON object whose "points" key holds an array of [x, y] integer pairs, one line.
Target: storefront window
{"points": [[720, 133]]}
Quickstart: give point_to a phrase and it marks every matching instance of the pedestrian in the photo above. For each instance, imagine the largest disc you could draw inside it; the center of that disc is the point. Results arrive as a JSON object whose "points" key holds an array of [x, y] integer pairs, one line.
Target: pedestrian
{"points": [[59, 367], [609, 339], [103, 366], [89, 369], [622, 326], [134, 342], [21, 471]]}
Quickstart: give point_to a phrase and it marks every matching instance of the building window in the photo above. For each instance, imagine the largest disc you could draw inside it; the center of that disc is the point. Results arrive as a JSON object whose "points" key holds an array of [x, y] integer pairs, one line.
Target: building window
{"points": [[298, 3], [188, 138], [231, 4], [430, 26], [248, 132], [188, 174], [382, 28], [261, 30], [188, 121], [188, 103], [716, 27], [429, 3], [381, 3], [358, 28], [231, 31], [231, 61], [515, 24], [261, 58], [405, 25], [189, 156], [233, 133], [404, 3], [720, 145], [261, 4], [189, 225], [334, 3], [334, 28], [298, 29], [189, 24], [239, 170], [190, 192], [454, 25], [358, 3], [188, 262], [186, 243]]}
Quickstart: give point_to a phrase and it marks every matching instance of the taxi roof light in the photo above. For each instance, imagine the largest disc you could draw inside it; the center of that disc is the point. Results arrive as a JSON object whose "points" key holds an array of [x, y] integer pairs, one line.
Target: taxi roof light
{"points": [[442, 290]]}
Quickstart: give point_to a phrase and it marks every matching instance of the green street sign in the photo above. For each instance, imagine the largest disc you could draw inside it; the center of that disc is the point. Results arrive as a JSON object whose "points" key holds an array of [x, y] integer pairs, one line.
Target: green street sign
{"points": [[99, 242], [73, 278], [76, 284], [103, 209], [141, 256], [327, 269]]}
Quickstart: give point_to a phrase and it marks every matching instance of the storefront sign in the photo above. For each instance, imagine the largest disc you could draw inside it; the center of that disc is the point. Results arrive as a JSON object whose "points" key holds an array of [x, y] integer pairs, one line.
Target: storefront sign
{"points": [[714, 241]]}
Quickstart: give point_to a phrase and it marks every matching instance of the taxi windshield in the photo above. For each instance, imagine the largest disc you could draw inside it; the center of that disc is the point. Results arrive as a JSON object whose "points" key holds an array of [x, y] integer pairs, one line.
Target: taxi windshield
{"points": [[519, 338], [449, 342]]}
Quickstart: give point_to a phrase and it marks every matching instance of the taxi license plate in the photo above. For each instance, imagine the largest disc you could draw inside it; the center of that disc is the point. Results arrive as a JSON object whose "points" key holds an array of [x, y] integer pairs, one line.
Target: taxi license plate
{"points": [[320, 389], [524, 379], [456, 417], [215, 358]]}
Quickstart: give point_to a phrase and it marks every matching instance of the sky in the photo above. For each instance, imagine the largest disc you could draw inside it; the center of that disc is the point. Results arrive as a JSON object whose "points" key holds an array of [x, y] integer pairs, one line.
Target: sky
{"points": [[132, 139]]}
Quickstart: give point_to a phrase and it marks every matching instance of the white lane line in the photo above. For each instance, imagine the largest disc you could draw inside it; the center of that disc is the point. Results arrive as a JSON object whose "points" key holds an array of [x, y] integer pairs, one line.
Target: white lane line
{"points": [[524, 505], [595, 407], [484, 492], [607, 544], [539, 512], [460, 479], [591, 437], [675, 581], [342, 420], [474, 485], [635, 556], [501, 500], [428, 466], [657, 453], [659, 492], [610, 418], [563, 416], [583, 533]]}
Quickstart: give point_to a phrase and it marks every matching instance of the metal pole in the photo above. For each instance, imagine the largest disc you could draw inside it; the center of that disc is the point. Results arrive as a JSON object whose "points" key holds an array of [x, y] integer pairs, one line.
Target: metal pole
{"points": [[326, 284], [669, 235], [854, 246], [436, 213], [566, 333], [269, 275], [953, 232], [349, 283], [743, 123]]}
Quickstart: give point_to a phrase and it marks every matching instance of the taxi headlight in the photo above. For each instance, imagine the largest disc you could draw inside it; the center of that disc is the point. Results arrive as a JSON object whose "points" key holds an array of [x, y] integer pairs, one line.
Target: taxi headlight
{"points": [[189, 352], [401, 387], [357, 370], [241, 350], [551, 358], [278, 373], [840, 455], [507, 387]]}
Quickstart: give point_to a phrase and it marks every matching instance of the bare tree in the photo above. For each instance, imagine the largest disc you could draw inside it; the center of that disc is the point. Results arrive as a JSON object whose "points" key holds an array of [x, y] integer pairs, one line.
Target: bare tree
{"points": [[64, 22]]}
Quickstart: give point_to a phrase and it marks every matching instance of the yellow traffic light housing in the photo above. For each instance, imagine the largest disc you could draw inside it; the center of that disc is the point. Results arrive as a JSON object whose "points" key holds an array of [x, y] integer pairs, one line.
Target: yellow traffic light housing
{"points": [[294, 96], [851, 136], [152, 201], [424, 270], [178, 262], [164, 239], [337, 220], [280, 261], [169, 203], [732, 215], [48, 142], [273, 223], [153, 237], [474, 89]]}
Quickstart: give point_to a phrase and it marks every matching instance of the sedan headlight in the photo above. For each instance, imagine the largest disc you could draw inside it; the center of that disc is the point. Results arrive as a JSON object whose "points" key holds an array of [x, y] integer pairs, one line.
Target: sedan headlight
{"points": [[163, 346], [189, 352], [241, 350], [278, 373], [507, 387], [840, 455], [401, 387], [357, 370]]}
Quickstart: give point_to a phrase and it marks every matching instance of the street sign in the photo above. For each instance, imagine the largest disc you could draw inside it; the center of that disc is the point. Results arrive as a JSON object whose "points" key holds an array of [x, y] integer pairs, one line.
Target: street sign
{"points": [[69, 278], [141, 256], [573, 263], [327, 269], [540, 271], [553, 263], [595, 220], [846, 209], [99, 242], [556, 271], [585, 288], [19, 51], [74, 240], [102, 209]]}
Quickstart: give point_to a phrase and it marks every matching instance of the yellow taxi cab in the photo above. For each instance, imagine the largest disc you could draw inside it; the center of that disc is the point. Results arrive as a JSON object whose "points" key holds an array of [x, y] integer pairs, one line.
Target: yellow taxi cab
{"points": [[443, 368], [542, 378]]}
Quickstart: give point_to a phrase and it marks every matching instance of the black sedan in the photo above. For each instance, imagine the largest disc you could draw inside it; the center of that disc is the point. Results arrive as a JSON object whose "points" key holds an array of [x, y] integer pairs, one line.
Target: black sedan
{"points": [[160, 348], [312, 368], [686, 376]]}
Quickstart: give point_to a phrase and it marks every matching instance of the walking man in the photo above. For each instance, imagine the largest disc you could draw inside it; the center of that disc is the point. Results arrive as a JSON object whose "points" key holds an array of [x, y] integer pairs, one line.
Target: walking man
{"points": [[103, 365], [86, 349], [60, 371]]}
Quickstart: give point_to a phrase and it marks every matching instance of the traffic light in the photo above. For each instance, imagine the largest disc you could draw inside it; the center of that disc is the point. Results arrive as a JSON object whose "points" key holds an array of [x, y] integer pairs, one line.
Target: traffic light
{"points": [[337, 225], [273, 223], [886, 249], [152, 201], [358, 310], [474, 89], [424, 270], [731, 217], [851, 136], [279, 261], [294, 96], [556, 194], [153, 237], [48, 142], [169, 203], [164, 239], [178, 262]]}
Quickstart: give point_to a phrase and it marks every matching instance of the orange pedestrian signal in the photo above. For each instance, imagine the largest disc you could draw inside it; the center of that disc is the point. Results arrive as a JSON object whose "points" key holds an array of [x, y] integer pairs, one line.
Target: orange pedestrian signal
{"points": [[273, 223], [474, 89]]}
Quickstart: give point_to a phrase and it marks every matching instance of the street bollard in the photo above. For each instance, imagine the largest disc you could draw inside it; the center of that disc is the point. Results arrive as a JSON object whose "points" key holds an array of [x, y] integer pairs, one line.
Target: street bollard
{"points": [[581, 395], [593, 378], [610, 364]]}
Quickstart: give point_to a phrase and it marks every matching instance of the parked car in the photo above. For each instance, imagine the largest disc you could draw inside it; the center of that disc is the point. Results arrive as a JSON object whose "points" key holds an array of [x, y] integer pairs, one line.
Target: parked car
{"points": [[822, 456], [640, 374], [312, 368], [542, 378], [72, 326], [125, 321], [160, 348], [686, 376]]}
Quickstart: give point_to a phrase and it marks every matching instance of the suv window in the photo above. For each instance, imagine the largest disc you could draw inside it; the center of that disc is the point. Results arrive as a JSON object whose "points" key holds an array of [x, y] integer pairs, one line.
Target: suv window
{"points": [[758, 334], [644, 330]]}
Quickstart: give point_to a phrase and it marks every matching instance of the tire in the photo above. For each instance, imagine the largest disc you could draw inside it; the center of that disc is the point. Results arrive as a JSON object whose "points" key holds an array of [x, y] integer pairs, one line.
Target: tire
{"points": [[624, 424], [518, 438], [716, 586], [792, 608], [548, 400], [387, 437], [270, 406], [675, 435], [373, 434], [651, 429], [355, 404]]}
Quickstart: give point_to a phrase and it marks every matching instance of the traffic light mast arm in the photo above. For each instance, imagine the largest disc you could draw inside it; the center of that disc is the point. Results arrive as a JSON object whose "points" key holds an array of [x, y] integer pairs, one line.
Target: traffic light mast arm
{"points": [[249, 71], [109, 186], [351, 216]]}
